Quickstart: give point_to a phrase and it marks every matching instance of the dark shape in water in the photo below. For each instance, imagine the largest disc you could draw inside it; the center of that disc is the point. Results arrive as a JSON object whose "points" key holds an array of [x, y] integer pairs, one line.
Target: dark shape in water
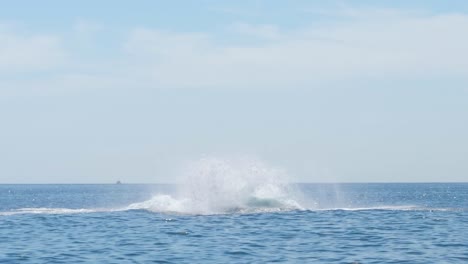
{"points": [[118, 182]]}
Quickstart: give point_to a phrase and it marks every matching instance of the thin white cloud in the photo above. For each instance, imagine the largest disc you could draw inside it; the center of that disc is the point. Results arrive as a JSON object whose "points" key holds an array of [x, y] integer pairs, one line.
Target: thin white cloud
{"points": [[87, 27], [29, 52], [367, 46], [261, 31], [349, 12], [162, 44], [371, 47], [236, 11]]}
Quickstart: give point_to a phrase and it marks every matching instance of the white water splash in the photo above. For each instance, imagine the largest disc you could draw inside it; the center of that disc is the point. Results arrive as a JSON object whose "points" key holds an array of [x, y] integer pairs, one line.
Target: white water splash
{"points": [[213, 186]]}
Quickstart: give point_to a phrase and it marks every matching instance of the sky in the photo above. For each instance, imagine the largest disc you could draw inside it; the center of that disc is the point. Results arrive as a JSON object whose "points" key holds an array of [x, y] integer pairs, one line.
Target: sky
{"points": [[328, 91]]}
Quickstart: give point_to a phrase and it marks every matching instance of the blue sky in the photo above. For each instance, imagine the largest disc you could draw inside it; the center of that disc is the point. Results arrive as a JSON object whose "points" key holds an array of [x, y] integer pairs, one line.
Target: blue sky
{"points": [[95, 91]]}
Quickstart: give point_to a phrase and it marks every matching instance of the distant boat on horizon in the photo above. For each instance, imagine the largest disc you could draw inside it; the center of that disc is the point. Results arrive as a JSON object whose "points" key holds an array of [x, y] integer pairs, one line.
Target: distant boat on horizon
{"points": [[118, 182]]}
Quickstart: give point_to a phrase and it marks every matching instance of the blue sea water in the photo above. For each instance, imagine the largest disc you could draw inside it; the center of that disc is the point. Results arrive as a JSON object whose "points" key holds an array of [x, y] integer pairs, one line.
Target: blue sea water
{"points": [[326, 223]]}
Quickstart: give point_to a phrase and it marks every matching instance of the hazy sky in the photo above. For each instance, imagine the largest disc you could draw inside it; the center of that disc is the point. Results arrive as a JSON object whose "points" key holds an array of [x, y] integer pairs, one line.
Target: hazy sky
{"points": [[99, 91]]}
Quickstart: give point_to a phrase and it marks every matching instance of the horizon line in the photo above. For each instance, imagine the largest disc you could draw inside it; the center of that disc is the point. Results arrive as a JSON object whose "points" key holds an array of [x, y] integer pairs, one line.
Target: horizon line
{"points": [[162, 183]]}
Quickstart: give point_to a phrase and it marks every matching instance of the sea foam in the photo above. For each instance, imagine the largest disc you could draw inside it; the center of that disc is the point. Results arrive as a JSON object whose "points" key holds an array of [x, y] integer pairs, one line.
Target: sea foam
{"points": [[214, 186]]}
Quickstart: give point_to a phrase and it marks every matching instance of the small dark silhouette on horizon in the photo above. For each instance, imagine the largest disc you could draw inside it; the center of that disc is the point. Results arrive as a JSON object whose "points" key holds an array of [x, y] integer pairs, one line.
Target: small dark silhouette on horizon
{"points": [[118, 182]]}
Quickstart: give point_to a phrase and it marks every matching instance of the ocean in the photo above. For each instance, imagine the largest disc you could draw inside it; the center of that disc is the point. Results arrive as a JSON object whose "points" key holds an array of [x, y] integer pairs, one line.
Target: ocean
{"points": [[297, 223]]}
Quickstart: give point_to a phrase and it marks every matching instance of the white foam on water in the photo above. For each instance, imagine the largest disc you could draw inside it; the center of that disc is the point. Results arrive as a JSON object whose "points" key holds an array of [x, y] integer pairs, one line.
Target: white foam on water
{"points": [[217, 186], [388, 208], [44, 210], [161, 203], [167, 204]]}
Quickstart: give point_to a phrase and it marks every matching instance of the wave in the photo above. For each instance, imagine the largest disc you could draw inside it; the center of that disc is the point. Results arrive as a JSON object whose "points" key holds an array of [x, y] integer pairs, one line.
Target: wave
{"points": [[45, 210], [382, 208], [167, 205]]}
